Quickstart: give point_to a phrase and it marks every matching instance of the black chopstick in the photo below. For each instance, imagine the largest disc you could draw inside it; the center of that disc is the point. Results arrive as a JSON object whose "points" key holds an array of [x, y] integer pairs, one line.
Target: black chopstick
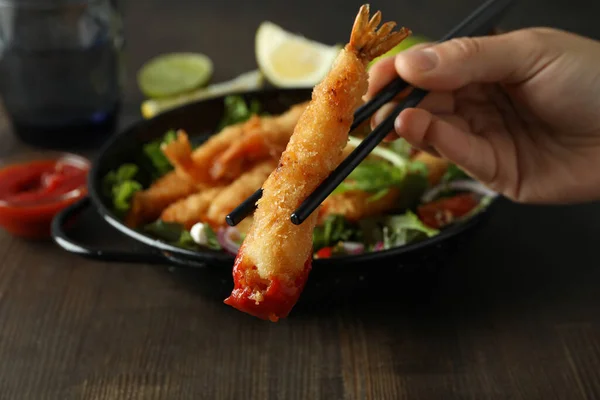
{"points": [[244, 209], [355, 158], [386, 94], [479, 22], [364, 112]]}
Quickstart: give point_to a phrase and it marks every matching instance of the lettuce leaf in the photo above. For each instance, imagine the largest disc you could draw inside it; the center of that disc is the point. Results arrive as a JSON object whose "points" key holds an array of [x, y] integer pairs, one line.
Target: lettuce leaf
{"points": [[120, 185], [154, 154], [373, 176], [236, 110], [454, 173], [401, 147], [211, 237], [403, 229], [334, 229], [176, 235]]}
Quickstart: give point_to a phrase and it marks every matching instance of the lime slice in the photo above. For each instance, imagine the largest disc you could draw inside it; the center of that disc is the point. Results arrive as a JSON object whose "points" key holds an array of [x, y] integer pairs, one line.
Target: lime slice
{"points": [[245, 82], [405, 44], [174, 73], [290, 60]]}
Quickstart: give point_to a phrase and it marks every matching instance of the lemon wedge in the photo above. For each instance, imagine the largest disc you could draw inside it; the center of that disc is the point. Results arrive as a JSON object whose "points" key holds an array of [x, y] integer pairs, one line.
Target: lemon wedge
{"points": [[248, 81], [290, 60]]}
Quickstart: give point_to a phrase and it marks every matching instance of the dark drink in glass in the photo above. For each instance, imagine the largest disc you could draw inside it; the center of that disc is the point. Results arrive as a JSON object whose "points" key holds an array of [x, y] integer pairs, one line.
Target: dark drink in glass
{"points": [[61, 69]]}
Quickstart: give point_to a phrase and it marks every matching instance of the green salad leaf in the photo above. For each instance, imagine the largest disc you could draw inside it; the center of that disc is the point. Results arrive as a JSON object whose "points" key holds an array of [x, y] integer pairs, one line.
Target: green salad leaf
{"points": [[211, 237], [153, 152], [120, 185], [401, 147], [401, 161], [236, 110], [402, 229], [186, 240], [373, 176], [418, 168], [454, 173], [377, 175], [334, 229], [176, 235]]}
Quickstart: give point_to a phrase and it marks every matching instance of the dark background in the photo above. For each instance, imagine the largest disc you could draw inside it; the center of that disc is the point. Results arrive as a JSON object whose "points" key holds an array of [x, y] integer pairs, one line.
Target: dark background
{"points": [[515, 314], [225, 29]]}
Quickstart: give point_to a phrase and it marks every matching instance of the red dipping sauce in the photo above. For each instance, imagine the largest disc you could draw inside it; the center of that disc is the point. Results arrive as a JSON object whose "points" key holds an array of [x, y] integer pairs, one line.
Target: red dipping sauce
{"points": [[33, 192]]}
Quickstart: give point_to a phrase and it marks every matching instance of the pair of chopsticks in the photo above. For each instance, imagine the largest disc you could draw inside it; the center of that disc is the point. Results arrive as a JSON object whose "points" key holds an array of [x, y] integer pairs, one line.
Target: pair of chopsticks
{"points": [[479, 23]]}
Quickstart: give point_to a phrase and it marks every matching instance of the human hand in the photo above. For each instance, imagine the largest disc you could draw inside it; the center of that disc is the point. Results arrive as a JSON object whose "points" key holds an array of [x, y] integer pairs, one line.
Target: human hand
{"points": [[519, 111]]}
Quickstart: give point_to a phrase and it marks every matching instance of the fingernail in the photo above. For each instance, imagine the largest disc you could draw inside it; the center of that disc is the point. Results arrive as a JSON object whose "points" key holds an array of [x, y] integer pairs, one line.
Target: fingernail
{"points": [[377, 118], [398, 125], [424, 60]]}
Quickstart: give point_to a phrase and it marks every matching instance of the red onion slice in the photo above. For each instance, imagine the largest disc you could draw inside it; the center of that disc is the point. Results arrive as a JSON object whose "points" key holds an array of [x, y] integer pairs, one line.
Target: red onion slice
{"points": [[227, 238], [353, 248], [465, 185]]}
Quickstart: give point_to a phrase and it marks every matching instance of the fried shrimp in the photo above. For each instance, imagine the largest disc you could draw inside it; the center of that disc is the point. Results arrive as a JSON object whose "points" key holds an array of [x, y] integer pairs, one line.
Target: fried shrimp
{"points": [[436, 166], [225, 156], [264, 137], [179, 154], [231, 196], [356, 205], [191, 209], [273, 263], [211, 205], [148, 204]]}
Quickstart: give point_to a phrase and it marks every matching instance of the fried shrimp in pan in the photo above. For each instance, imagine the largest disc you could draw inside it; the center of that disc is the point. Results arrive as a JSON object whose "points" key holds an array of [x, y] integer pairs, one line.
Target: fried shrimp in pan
{"points": [[213, 204], [436, 166], [230, 197], [179, 154], [194, 164], [192, 209], [357, 204], [147, 205], [264, 137], [273, 262]]}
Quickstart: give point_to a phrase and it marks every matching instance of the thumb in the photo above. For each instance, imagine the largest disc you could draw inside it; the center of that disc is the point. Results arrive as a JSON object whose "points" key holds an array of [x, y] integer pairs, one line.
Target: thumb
{"points": [[509, 58]]}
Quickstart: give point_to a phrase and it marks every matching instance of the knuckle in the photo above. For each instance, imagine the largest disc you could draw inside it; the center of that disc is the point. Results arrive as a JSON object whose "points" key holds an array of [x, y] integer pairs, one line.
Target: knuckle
{"points": [[537, 37], [465, 47]]}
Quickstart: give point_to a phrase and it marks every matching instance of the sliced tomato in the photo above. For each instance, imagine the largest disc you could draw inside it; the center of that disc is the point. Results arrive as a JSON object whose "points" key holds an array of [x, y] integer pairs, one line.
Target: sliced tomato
{"points": [[439, 213], [325, 252]]}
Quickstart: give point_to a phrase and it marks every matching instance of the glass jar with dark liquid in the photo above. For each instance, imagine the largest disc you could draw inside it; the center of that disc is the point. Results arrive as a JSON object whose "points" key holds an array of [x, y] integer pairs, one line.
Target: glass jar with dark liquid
{"points": [[61, 69]]}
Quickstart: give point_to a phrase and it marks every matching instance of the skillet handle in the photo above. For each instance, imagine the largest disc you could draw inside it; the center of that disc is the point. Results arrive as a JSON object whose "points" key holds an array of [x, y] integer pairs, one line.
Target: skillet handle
{"points": [[61, 238]]}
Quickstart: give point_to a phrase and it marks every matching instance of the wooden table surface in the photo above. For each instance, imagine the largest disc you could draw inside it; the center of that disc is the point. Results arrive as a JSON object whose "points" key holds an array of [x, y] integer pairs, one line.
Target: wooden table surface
{"points": [[514, 314]]}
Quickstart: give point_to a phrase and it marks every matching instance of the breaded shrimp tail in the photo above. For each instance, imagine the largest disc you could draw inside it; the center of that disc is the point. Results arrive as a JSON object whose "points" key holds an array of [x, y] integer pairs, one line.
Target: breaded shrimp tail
{"points": [[273, 263]]}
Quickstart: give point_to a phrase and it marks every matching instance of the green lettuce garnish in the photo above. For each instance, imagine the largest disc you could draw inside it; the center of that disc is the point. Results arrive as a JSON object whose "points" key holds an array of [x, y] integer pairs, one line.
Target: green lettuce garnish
{"points": [[378, 175], [120, 186], [373, 176], [401, 147], [211, 238], [176, 235], [154, 154], [402, 229], [454, 173], [399, 160], [334, 229], [236, 110]]}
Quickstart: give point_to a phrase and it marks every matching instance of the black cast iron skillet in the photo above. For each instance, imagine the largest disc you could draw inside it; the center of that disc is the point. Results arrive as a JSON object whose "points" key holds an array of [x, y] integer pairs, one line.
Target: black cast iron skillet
{"points": [[200, 120]]}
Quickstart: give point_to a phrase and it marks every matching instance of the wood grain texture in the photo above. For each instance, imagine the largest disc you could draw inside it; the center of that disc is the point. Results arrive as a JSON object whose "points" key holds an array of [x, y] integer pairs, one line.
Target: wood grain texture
{"points": [[515, 314]]}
